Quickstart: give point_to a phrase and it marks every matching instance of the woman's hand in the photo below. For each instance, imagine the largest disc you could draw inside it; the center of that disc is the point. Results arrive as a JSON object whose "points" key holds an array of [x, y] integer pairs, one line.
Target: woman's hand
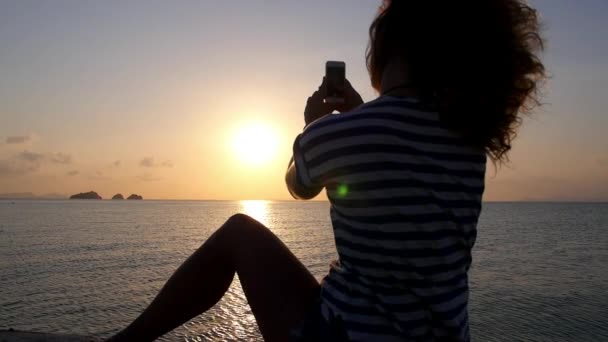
{"points": [[316, 107], [352, 99]]}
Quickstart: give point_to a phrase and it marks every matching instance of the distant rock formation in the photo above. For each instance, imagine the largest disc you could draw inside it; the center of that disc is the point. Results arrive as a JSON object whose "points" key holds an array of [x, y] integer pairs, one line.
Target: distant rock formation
{"points": [[118, 197], [86, 195], [135, 197]]}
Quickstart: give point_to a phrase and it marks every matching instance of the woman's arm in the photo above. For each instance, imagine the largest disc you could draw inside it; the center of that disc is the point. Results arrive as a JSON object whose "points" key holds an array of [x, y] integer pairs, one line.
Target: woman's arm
{"points": [[296, 190], [316, 108]]}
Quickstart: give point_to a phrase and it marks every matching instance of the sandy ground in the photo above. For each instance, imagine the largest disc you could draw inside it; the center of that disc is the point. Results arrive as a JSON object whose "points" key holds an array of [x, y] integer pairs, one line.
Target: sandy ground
{"points": [[25, 336]]}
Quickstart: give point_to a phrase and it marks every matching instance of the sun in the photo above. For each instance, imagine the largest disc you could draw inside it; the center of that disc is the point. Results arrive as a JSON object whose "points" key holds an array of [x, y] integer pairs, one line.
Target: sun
{"points": [[255, 144]]}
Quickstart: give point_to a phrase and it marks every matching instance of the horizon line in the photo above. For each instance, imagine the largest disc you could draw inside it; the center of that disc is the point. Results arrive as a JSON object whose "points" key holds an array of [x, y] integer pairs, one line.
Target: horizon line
{"points": [[283, 200]]}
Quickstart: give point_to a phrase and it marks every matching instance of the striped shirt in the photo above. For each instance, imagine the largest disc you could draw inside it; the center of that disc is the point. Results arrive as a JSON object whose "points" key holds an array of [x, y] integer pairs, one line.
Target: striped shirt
{"points": [[405, 194]]}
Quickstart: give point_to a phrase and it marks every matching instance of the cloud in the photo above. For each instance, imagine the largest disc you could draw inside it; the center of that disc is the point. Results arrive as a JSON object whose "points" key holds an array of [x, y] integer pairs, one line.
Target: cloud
{"points": [[22, 163], [60, 158], [73, 173], [147, 162], [7, 168], [18, 139], [30, 156], [27, 162], [150, 163]]}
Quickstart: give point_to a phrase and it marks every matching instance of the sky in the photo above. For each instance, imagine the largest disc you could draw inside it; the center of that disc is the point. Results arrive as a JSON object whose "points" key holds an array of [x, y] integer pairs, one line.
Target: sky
{"points": [[151, 97]]}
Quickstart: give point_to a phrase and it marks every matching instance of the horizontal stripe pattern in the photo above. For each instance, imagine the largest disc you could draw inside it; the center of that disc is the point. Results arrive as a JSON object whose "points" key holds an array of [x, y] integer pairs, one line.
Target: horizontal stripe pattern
{"points": [[368, 158], [405, 195], [370, 194], [401, 152], [372, 138]]}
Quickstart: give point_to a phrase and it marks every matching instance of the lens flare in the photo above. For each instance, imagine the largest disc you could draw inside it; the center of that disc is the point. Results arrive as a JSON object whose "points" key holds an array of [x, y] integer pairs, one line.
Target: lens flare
{"points": [[342, 190]]}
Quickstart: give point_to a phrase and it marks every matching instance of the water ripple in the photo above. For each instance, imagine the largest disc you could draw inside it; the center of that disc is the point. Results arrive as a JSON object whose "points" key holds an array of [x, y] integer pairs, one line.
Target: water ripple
{"points": [[539, 271]]}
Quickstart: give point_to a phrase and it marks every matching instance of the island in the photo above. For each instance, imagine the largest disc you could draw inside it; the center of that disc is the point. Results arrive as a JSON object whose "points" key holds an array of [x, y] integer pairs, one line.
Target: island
{"points": [[86, 195], [135, 197], [118, 197]]}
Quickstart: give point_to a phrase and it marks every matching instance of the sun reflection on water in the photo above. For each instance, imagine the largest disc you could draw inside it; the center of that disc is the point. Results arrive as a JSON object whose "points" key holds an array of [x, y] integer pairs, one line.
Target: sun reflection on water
{"points": [[258, 209]]}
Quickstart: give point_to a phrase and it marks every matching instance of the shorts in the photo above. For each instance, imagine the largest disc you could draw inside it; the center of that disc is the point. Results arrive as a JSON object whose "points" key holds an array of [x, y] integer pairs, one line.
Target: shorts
{"points": [[314, 327]]}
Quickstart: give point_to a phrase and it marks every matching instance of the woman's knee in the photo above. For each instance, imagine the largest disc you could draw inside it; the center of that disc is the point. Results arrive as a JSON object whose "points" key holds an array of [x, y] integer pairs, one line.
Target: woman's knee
{"points": [[241, 225], [241, 219]]}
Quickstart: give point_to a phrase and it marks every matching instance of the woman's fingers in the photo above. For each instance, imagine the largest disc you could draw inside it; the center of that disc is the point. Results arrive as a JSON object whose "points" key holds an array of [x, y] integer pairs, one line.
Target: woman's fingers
{"points": [[323, 87], [349, 88], [316, 106], [314, 97], [352, 99]]}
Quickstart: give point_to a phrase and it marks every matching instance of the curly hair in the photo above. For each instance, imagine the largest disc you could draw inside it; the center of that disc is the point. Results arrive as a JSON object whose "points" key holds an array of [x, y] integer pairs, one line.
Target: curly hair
{"points": [[476, 61]]}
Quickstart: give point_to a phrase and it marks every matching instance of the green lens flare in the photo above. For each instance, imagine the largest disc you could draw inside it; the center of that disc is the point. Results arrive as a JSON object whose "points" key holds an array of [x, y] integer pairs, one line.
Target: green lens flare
{"points": [[342, 190]]}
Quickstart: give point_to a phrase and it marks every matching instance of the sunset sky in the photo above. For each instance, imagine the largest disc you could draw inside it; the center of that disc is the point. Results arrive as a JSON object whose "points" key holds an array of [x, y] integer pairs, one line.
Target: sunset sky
{"points": [[155, 97]]}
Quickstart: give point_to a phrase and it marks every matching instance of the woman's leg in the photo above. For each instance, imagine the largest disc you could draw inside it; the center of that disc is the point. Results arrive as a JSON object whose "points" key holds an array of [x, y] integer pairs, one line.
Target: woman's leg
{"points": [[279, 289]]}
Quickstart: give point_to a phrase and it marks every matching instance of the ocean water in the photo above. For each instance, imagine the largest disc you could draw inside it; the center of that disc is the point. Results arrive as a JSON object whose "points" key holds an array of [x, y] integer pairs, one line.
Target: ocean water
{"points": [[540, 270]]}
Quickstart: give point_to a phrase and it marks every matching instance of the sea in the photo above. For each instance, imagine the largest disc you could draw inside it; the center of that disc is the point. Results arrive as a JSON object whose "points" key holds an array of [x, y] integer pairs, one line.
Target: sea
{"points": [[539, 273]]}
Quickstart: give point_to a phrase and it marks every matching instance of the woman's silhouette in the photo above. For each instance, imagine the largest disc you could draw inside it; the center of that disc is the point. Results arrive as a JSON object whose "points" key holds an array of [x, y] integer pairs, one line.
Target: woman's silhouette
{"points": [[404, 174]]}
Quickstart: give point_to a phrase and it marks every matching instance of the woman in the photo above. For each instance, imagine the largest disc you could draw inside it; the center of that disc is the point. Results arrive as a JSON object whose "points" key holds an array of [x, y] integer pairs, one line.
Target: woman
{"points": [[404, 175]]}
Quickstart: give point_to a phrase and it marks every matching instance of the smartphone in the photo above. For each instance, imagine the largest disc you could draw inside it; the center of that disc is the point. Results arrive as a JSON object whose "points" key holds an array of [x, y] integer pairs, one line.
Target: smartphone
{"points": [[335, 74]]}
